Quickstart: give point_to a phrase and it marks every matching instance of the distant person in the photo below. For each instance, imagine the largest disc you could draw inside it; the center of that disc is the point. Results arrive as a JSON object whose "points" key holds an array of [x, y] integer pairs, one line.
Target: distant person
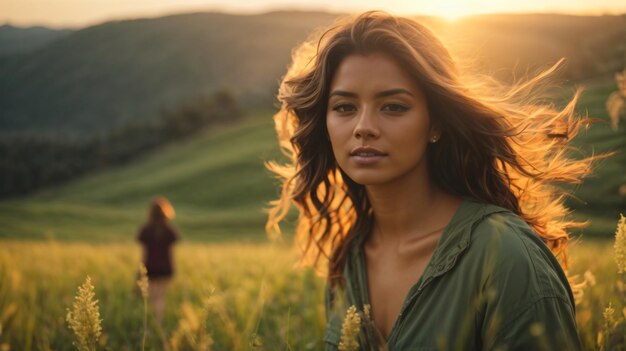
{"points": [[157, 237]]}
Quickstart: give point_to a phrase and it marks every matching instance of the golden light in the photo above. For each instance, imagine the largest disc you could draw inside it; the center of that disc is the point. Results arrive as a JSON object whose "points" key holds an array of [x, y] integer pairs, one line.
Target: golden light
{"points": [[453, 13], [451, 10]]}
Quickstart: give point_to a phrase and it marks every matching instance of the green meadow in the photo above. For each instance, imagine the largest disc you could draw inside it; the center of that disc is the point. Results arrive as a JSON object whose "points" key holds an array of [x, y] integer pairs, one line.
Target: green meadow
{"points": [[237, 296], [216, 182], [244, 292]]}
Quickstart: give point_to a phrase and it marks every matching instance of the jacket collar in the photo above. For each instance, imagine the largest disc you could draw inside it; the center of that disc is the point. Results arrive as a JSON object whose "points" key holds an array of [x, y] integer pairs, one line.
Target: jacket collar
{"points": [[454, 241], [456, 237]]}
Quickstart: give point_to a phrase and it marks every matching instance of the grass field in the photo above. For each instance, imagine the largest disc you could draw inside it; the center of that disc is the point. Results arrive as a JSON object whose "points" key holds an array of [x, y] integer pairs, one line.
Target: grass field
{"points": [[254, 293], [253, 289]]}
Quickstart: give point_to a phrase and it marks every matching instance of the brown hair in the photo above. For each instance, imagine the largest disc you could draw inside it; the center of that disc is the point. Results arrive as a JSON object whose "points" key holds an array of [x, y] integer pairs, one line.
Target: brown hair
{"points": [[503, 146], [161, 211]]}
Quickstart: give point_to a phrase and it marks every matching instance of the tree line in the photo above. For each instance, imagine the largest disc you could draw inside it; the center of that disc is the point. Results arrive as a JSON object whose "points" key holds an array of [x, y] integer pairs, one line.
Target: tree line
{"points": [[32, 161]]}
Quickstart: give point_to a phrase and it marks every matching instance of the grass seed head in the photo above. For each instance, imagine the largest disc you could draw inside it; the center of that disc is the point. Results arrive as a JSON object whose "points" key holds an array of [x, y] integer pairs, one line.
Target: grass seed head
{"points": [[609, 315], [620, 245], [84, 319], [350, 330], [366, 311], [142, 282], [590, 278]]}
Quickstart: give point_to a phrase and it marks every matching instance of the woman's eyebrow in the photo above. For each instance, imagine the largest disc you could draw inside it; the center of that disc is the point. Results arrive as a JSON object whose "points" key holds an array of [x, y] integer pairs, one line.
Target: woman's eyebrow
{"points": [[391, 92], [343, 93], [384, 93]]}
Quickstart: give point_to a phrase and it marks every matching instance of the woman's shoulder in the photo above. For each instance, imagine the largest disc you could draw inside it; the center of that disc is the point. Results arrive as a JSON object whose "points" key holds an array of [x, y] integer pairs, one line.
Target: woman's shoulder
{"points": [[171, 229], [509, 234], [510, 251], [143, 232], [489, 224], [521, 281]]}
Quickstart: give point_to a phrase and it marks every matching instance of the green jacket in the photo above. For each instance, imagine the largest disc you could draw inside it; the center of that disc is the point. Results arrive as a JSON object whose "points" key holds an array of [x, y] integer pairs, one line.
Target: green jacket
{"points": [[491, 284]]}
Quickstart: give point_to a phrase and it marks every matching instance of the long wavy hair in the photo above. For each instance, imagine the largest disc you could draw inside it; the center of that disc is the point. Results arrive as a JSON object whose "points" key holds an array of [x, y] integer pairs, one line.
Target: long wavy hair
{"points": [[505, 146]]}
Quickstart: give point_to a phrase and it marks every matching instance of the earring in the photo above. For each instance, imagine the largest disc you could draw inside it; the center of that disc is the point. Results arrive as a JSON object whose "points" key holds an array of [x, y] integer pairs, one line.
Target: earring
{"points": [[434, 139]]}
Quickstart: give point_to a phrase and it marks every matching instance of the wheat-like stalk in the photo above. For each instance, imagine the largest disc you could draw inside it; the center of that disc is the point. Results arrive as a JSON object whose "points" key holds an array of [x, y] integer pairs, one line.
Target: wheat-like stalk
{"points": [[590, 278], [350, 330], [143, 284], [609, 316], [620, 245], [616, 103], [192, 331], [84, 319], [366, 311]]}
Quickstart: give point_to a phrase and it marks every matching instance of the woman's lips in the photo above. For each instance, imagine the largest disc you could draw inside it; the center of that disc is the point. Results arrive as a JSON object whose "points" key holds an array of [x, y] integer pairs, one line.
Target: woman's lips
{"points": [[367, 155]]}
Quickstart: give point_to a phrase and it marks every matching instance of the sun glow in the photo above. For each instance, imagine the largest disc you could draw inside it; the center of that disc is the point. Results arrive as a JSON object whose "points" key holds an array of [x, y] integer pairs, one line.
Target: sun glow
{"points": [[453, 13], [452, 10], [75, 13]]}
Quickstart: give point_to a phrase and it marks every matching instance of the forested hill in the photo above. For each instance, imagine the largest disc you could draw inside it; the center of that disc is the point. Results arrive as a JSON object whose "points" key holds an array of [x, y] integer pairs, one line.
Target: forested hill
{"points": [[124, 72], [17, 40]]}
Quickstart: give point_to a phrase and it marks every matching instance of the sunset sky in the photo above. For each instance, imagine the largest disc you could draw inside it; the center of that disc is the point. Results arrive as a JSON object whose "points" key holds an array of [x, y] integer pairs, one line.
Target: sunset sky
{"points": [[78, 13]]}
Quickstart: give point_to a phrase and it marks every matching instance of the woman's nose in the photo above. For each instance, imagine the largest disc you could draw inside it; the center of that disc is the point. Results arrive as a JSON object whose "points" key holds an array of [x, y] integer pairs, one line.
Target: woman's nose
{"points": [[367, 126]]}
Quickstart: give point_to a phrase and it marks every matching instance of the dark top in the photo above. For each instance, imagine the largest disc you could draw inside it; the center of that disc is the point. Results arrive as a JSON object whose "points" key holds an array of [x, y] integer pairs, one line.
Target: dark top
{"points": [[157, 241], [491, 284]]}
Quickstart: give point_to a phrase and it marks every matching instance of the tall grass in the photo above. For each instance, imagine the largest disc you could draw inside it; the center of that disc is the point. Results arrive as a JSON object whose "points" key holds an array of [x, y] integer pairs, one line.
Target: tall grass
{"points": [[224, 297], [601, 308], [84, 318], [245, 292]]}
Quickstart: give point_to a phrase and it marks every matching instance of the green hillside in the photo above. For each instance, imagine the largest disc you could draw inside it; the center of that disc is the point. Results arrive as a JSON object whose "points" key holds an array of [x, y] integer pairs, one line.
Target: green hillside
{"points": [[217, 183], [17, 40], [127, 71], [599, 198], [219, 186]]}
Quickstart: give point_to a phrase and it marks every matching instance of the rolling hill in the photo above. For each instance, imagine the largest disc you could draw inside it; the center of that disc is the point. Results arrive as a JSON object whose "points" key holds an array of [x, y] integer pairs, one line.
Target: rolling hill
{"points": [[126, 71], [216, 182], [17, 40], [219, 187], [121, 72]]}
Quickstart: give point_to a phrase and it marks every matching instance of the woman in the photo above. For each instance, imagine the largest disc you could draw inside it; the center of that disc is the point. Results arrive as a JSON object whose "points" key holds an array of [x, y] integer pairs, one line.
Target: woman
{"points": [[431, 199], [157, 237]]}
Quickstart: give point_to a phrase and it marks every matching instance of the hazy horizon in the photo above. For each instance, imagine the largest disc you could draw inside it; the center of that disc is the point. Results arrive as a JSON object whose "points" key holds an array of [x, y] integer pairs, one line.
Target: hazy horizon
{"points": [[78, 14]]}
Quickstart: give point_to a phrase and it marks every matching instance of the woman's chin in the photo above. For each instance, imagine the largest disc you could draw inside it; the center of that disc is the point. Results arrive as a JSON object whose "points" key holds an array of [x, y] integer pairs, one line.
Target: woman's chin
{"points": [[369, 179]]}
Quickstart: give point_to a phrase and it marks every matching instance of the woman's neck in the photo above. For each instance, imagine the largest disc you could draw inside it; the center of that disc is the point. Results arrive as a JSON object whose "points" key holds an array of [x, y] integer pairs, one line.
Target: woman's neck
{"points": [[409, 210]]}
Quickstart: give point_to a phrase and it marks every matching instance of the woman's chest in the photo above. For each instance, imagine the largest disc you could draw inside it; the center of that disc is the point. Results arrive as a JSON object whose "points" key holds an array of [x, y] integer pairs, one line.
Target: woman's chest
{"points": [[389, 283], [441, 314]]}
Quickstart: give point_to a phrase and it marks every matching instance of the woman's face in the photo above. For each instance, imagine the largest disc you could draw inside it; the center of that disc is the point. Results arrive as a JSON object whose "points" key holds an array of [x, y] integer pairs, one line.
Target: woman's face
{"points": [[377, 120]]}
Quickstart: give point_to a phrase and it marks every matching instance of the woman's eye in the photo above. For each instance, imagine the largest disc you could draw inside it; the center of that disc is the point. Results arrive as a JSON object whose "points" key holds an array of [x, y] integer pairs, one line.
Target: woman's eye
{"points": [[344, 108], [394, 108]]}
